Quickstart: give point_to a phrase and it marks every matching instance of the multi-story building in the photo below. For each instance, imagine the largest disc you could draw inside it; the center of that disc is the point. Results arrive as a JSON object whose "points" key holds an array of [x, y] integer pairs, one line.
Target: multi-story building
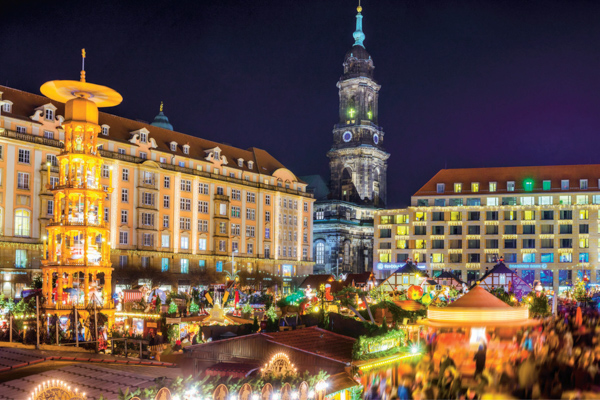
{"points": [[343, 230], [180, 204], [543, 221]]}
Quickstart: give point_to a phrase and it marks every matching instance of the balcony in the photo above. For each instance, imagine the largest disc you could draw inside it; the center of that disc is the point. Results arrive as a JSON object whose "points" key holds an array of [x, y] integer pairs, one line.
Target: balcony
{"points": [[221, 197], [31, 138]]}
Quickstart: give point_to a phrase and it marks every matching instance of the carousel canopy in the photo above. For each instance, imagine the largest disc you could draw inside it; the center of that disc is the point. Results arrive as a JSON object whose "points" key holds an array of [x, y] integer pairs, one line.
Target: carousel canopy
{"points": [[477, 308]]}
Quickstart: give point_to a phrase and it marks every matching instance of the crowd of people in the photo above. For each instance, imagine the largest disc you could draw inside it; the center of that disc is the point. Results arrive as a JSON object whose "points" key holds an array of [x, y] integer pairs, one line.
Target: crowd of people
{"points": [[559, 356]]}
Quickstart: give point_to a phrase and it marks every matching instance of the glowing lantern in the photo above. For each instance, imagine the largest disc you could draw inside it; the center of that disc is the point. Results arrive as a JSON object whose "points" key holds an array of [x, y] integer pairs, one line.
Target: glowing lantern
{"points": [[415, 292]]}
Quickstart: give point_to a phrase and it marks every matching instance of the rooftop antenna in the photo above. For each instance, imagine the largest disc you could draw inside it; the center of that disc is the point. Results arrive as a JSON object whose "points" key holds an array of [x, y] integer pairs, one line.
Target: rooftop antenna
{"points": [[82, 65]]}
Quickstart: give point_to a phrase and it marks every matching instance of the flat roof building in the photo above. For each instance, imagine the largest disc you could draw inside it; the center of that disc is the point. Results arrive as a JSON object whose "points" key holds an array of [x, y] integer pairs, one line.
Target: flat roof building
{"points": [[542, 220]]}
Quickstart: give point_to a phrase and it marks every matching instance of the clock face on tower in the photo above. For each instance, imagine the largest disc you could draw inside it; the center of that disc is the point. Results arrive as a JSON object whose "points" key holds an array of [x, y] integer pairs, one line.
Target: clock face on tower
{"points": [[347, 136], [376, 138]]}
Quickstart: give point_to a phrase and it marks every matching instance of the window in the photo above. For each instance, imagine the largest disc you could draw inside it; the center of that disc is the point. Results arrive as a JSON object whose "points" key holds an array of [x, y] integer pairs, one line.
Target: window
{"points": [[185, 223], [492, 201], [584, 257], [235, 229], [529, 243], [527, 201], [250, 231], [439, 202], [22, 180], [202, 225], [202, 244], [125, 175], [267, 233], [166, 201], [566, 229], [473, 244], [491, 244], [124, 195], [106, 214], [583, 184], [441, 187], [583, 214], [584, 243], [50, 207], [203, 207], [420, 216], [566, 243], [173, 146], [473, 230], [49, 134], [185, 243], [20, 258], [547, 215], [474, 201], [124, 215], [250, 214], [222, 245], [546, 185], [566, 257], [510, 215], [165, 240], [250, 197], [185, 185], [547, 229], [509, 201], [148, 239], [547, 243], [491, 229], [143, 155], [564, 184], [185, 204], [22, 223], [582, 199], [123, 237], [545, 200], [510, 229], [493, 186], [250, 248], [185, 265], [24, 156], [491, 215], [148, 219], [203, 188], [122, 261], [547, 257], [528, 215], [165, 221], [456, 202], [121, 151], [474, 187], [186, 149], [21, 129], [455, 230], [529, 257], [457, 187], [164, 264], [456, 216], [566, 214], [473, 216], [528, 229], [6, 107], [510, 186]]}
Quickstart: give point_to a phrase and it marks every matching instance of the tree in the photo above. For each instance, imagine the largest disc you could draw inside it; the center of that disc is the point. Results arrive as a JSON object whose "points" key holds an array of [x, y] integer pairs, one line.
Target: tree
{"points": [[172, 307], [194, 308], [347, 298]]}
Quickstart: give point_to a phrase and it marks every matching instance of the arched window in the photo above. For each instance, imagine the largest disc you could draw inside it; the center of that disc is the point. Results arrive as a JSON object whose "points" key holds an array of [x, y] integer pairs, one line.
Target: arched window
{"points": [[22, 223], [320, 253]]}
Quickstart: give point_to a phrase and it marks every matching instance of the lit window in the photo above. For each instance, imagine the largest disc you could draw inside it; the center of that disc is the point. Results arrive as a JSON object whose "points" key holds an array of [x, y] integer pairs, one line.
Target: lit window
{"points": [[583, 214], [457, 187], [401, 244], [528, 201], [202, 244], [582, 199], [492, 201], [320, 253], [185, 266], [420, 216], [165, 241], [528, 185], [437, 258], [420, 244], [493, 186], [564, 184], [455, 216], [402, 230], [545, 200], [185, 242], [528, 215], [529, 257], [164, 265], [22, 223], [584, 243], [564, 200], [474, 187], [20, 258], [510, 186]]}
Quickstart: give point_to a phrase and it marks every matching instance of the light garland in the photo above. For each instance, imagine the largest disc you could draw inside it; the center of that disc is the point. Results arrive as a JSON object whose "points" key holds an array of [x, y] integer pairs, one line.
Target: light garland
{"points": [[52, 385], [387, 362], [137, 315]]}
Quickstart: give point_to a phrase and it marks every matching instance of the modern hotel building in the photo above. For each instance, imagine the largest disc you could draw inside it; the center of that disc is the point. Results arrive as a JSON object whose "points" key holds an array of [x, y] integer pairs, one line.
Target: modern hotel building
{"points": [[543, 221]]}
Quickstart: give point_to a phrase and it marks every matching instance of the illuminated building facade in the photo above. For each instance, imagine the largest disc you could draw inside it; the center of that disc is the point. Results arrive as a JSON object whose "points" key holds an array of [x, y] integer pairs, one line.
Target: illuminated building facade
{"points": [[180, 204], [343, 230], [543, 221]]}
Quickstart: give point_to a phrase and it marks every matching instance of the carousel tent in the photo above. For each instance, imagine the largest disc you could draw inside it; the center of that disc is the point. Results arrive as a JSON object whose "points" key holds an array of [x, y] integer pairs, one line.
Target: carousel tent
{"points": [[404, 277], [478, 308], [502, 276]]}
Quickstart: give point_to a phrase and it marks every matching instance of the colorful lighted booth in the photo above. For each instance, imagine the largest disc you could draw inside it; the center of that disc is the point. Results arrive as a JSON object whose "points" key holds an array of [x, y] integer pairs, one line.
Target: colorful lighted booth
{"points": [[502, 277], [404, 277], [137, 323], [447, 278], [476, 317], [77, 248]]}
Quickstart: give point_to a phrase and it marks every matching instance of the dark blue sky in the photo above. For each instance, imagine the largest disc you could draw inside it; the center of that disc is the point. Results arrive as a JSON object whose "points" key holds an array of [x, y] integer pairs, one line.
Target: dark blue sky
{"points": [[464, 83]]}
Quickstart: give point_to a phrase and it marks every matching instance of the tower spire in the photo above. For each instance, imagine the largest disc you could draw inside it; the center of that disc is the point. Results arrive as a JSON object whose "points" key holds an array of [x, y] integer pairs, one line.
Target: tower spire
{"points": [[358, 34], [161, 106]]}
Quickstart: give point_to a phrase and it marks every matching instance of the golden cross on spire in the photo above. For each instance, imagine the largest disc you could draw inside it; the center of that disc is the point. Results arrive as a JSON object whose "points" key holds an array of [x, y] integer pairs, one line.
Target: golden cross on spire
{"points": [[82, 65], [161, 106]]}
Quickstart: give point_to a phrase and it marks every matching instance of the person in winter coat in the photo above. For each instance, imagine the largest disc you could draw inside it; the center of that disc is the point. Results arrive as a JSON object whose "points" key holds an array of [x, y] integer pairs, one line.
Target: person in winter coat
{"points": [[479, 359]]}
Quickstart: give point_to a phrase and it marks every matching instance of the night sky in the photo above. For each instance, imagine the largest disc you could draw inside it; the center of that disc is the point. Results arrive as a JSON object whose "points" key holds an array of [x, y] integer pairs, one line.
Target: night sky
{"points": [[464, 83]]}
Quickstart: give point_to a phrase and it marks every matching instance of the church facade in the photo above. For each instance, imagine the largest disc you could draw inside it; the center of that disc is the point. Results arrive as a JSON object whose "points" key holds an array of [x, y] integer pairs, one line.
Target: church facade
{"points": [[343, 214]]}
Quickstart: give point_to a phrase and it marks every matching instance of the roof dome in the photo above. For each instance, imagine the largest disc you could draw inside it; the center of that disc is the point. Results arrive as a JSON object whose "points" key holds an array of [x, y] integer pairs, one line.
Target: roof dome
{"points": [[358, 52], [161, 120]]}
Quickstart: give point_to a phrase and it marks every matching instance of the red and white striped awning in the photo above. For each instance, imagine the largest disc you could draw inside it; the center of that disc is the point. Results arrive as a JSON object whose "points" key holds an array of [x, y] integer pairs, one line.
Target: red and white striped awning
{"points": [[131, 295]]}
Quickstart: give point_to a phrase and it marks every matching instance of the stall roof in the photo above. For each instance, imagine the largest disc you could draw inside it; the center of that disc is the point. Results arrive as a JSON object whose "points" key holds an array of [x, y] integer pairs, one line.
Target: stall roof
{"points": [[317, 341]]}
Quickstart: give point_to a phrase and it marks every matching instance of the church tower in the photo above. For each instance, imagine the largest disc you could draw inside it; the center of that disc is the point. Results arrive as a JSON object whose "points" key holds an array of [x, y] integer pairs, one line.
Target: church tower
{"points": [[357, 159]]}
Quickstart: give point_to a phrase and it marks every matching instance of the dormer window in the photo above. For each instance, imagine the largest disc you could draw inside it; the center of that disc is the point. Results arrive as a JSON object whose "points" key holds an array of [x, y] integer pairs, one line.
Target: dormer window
{"points": [[173, 146], [240, 162], [6, 107], [105, 130], [49, 114], [250, 164], [143, 137], [186, 149]]}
